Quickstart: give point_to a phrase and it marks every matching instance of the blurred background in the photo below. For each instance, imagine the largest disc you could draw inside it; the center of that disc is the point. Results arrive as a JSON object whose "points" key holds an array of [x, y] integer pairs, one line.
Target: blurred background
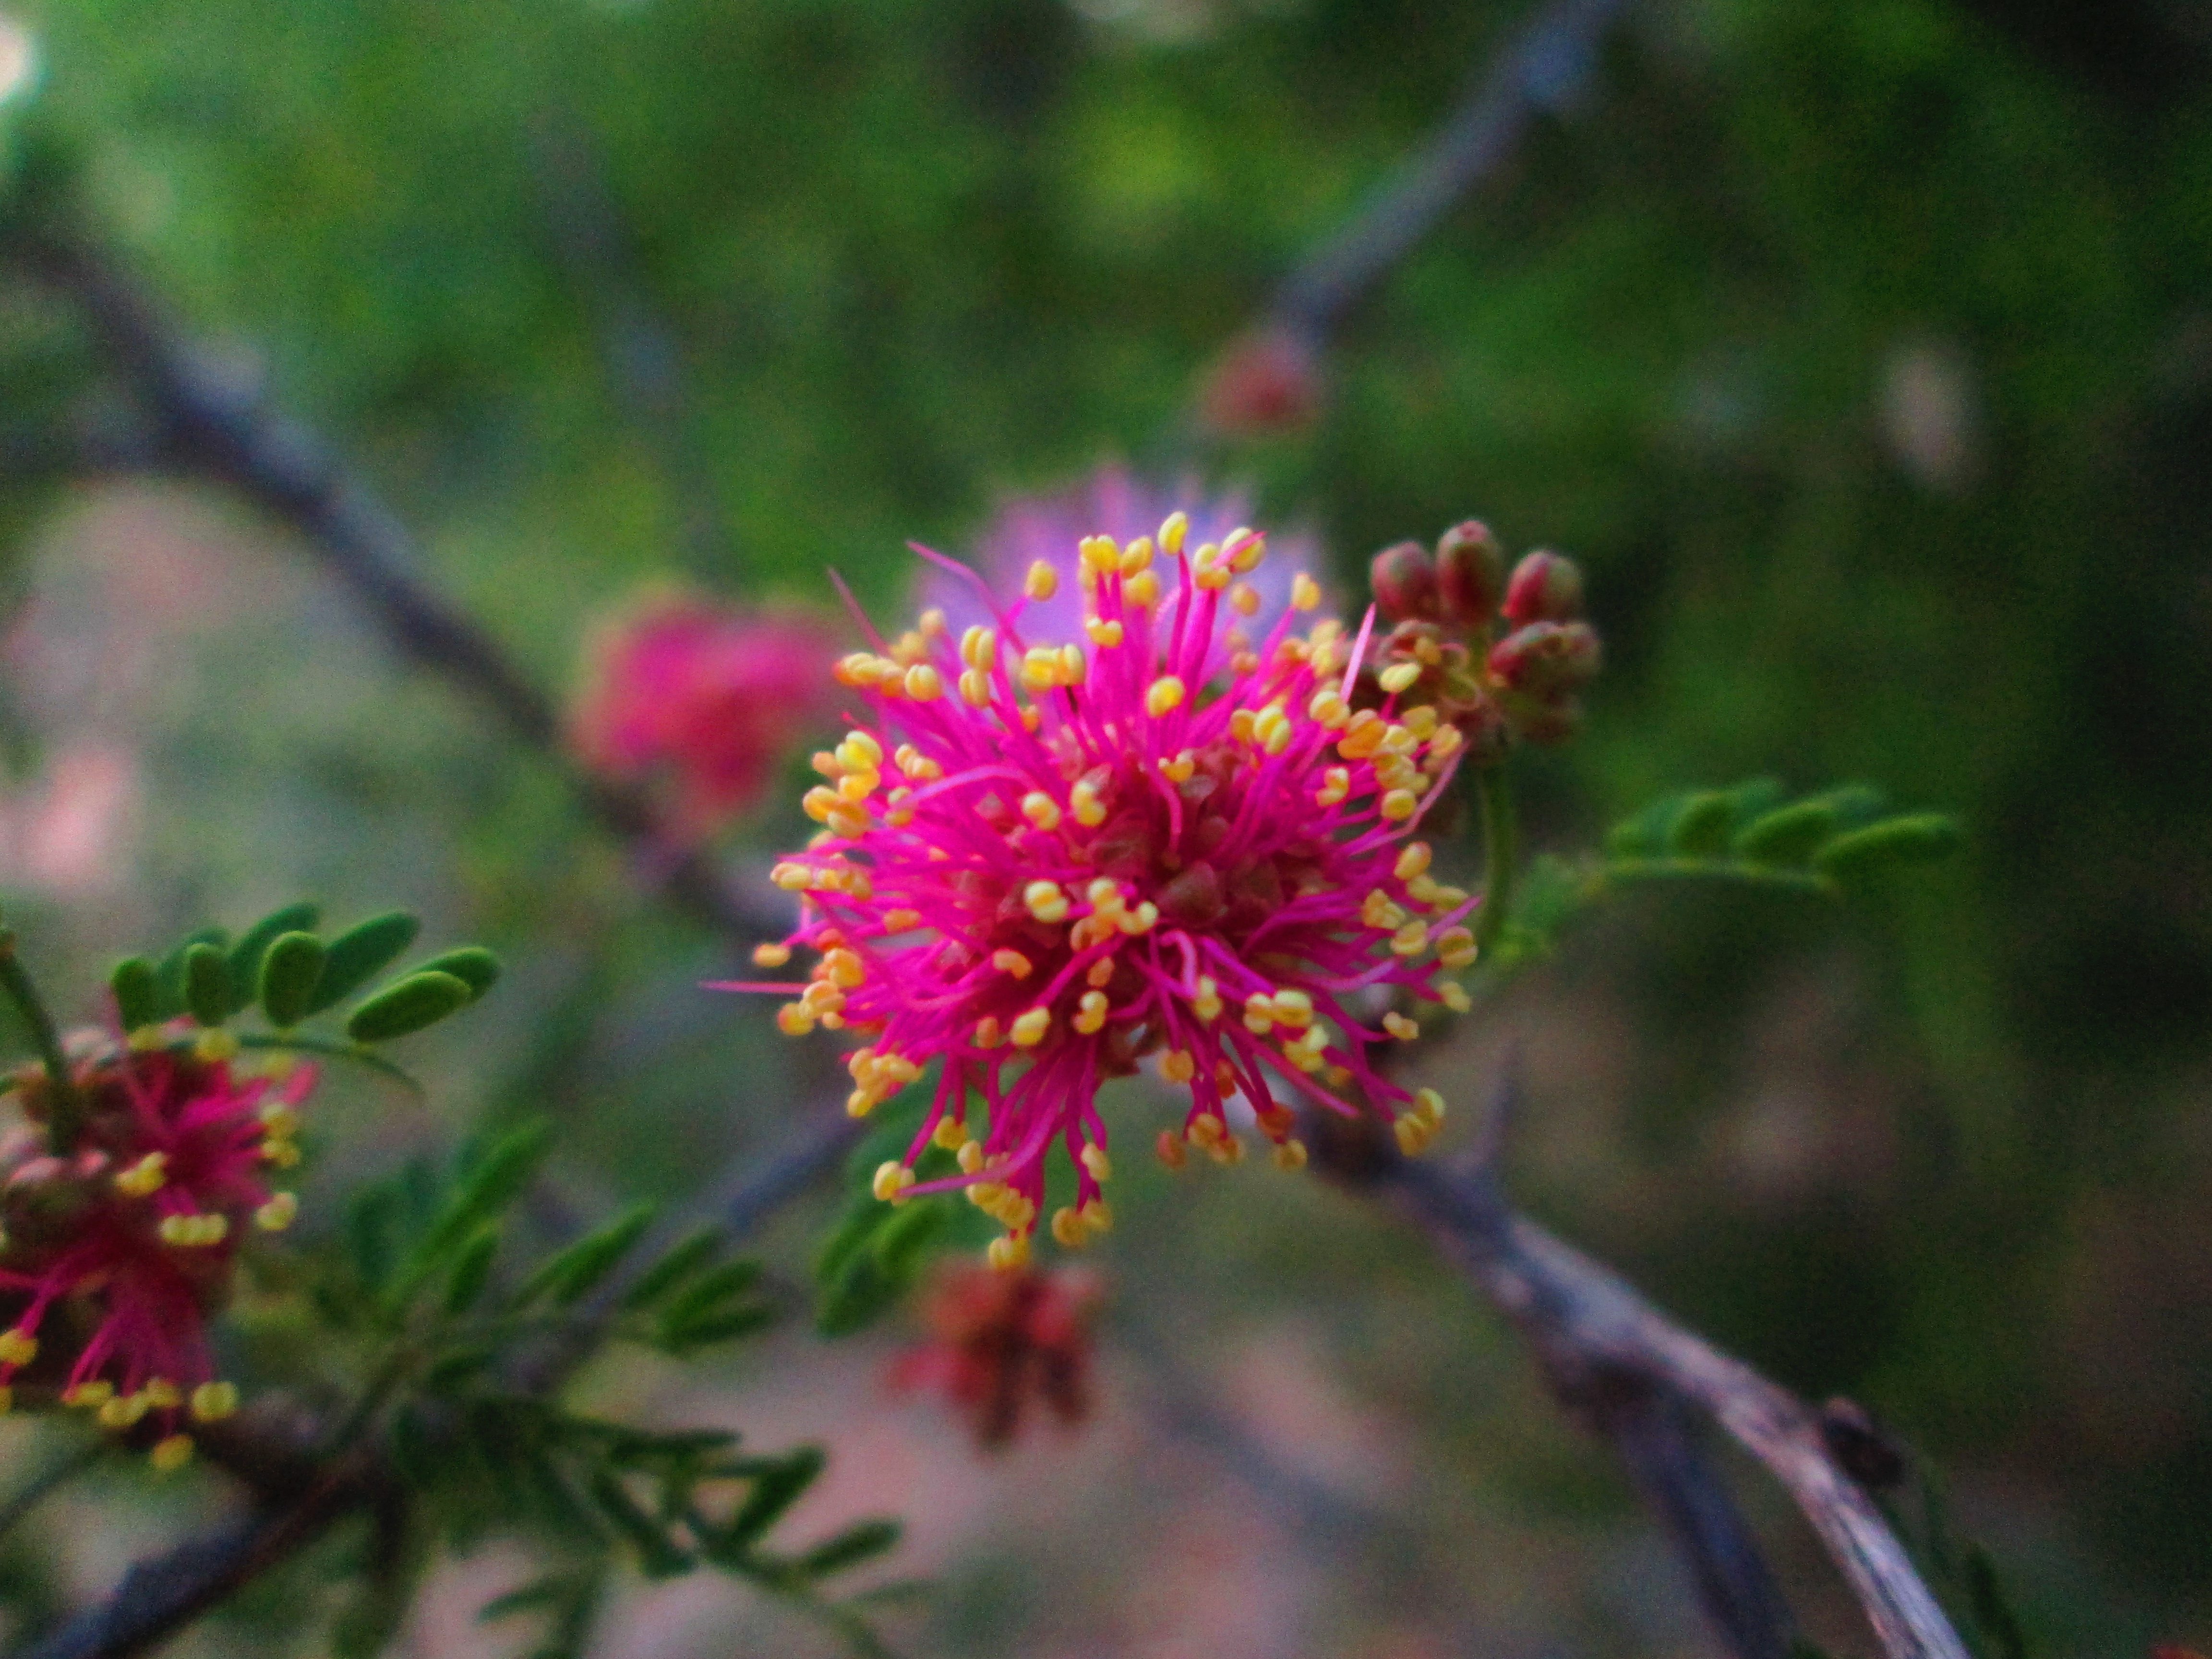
{"points": [[1861, 353]]}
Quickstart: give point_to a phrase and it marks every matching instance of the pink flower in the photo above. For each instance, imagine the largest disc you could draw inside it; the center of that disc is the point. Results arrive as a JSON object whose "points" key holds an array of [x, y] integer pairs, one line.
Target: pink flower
{"points": [[999, 1341], [1043, 862], [1111, 502], [710, 697], [123, 1246]]}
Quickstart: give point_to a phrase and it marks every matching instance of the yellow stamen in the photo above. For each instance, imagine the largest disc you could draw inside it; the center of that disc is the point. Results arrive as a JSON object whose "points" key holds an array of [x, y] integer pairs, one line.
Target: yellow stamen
{"points": [[1091, 1013], [123, 1411], [988, 1033], [1328, 709], [1305, 591], [278, 1213], [1455, 947], [978, 648], [1290, 1155], [1377, 910], [1177, 1066], [1399, 805], [1009, 1253], [892, 1178], [1168, 1148], [924, 683], [17, 1347], [172, 1453], [969, 1157], [1165, 694], [1142, 591], [1104, 634], [1029, 1028], [1046, 902], [1399, 1027], [1207, 1005], [1173, 529], [1411, 940], [1412, 859], [975, 688], [1067, 1229], [1042, 809], [1336, 784], [90, 1395], [1011, 962], [146, 1176], [1244, 599], [771, 955], [1042, 582]]}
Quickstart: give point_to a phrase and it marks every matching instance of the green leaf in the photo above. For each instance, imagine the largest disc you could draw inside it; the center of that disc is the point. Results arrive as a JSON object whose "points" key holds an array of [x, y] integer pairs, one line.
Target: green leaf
{"points": [[683, 1258], [407, 1005], [574, 1271], [458, 1365], [471, 1269], [860, 1542], [169, 977], [495, 1182], [1788, 836], [137, 992], [709, 1291], [1700, 829], [290, 969], [207, 984], [777, 1484], [684, 1337], [658, 1554], [246, 956], [1920, 838], [552, 1591], [370, 1220], [359, 954], [473, 965], [1992, 1611]]}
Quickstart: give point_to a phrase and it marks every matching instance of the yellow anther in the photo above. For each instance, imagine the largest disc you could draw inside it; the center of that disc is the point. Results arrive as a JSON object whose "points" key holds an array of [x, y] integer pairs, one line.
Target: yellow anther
{"points": [[1031, 719], [932, 622], [1137, 556], [1445, 744], [792, 878], [275, 1150], [279, 1120], [1104, 893], [1399, 805], [1029, 1028], [794, 1020], [187, 1231], [1399, 1027], [1397, 772], [1455, 947], [901, 921], [1045, 901], [1290, 1155], [1142, 919], [1173, 529], [1259, 1013], [1179, 769], [17, 1347], [1091, 1012], [1413, 1135], [1098, 973], [123, 1411], [146, 1176], [1011, 962], [162, 1393], [1177, 1066], [1071, 664], [1040, 668], [950, 1135], [855, 668], [1328, 709], [892, 1178], [1411, 940], [1142, 591], [975, 688], [771, 955], [988, 1032], [1104, 634], [1093, 1159], [916, 765], [970, 1156], [211, 1402], [172, 1453], [1207, 1005], [1168, 1147], [1090, 810], [1041, 808], [1099, 553], [1413, 860], [861, 751], [827, 765], [861, 1101], [978, 648], [821, 997], [1399, 676], [1421, 722], [1398, 740], [91, 1395], [1245, 549], [845, 968], [1294, 1009], [1227, 1150], [1431, 1106], [1244, 599], [1377, 910], [1243, 723], [1305, 591], [1067, 1229], [278, 1213], [1042, 582], [7, 1400], [1097, 1215], [924, 683], [1165, 694], [1454, 995], [216, 1045], [1336, 784], [1009, 1253]]}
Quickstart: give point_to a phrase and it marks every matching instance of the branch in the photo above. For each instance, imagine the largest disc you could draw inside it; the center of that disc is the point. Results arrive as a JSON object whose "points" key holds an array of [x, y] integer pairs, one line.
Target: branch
{"points": [[1629, 1369], [1543, 69], [228, 431]]}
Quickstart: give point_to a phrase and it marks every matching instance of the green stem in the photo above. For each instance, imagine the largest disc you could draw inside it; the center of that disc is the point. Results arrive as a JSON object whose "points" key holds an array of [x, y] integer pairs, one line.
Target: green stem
{"points": [[1501, 853], [64, 1113]]}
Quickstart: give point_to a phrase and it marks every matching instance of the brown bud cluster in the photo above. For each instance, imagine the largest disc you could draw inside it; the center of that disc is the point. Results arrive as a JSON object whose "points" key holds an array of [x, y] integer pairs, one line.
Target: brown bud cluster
{"points": [[1503, 658]]}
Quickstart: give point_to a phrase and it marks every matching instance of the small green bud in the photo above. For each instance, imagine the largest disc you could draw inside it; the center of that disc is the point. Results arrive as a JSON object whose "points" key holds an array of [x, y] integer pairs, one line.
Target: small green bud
{"points": [[1405, 582], [206, 983], [1470, 574], [476, 967], [138, 993], [359, 954], [290, 969], [407, 1005], [1919, 839]]}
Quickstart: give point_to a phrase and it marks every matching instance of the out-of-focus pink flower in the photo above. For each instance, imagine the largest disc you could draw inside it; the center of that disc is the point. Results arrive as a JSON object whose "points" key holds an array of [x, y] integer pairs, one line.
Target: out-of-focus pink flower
{"points": [[119, 1247], [999, 1342], [65, 832], [1111, 502], [1045, 861], [708, 697], [1265, 382]]}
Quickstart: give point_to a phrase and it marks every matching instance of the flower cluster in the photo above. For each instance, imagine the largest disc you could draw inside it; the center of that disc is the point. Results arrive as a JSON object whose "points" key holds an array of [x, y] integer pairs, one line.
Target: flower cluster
{"points": [[1043, 861], [713, 697], [1497, 684], [119, 1246], [999, 1340]]}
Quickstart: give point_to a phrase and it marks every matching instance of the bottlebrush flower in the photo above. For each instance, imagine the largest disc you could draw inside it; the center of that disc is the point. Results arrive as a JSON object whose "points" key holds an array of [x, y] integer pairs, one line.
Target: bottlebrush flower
{"points": [[1042, 862], [119, 1249], [1112, 501], [711, 696], [999, 1340]]}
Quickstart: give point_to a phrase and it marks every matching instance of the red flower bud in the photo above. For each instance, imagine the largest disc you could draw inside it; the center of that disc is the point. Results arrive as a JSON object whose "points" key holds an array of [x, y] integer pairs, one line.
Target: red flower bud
{"points": [[1470, 572], [1545, 587], [1405, 582], [1548, 659]]}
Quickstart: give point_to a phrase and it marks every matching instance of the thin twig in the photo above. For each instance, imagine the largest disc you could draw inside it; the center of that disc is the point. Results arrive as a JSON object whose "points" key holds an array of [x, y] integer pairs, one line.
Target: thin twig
{"points": [[1600, 1341], [226, 430], [64, 1111]]}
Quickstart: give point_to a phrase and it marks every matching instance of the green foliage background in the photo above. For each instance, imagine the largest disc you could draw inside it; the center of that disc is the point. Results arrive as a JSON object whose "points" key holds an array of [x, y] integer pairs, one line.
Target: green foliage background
{"points": [[1863, 353]]}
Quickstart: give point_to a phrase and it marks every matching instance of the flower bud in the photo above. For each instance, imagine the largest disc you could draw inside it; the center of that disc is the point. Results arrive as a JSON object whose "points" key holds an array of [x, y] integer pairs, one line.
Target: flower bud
{"points": [[1548, 659], [1265, 382], [1470, 572], [1405, 582], [1545, 587]]}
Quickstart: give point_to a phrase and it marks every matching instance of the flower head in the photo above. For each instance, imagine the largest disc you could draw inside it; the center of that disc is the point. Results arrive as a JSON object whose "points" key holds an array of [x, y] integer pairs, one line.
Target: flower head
{"points": [[714, 697], [1045, 861], [999, 1341], [121, 1247]]}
